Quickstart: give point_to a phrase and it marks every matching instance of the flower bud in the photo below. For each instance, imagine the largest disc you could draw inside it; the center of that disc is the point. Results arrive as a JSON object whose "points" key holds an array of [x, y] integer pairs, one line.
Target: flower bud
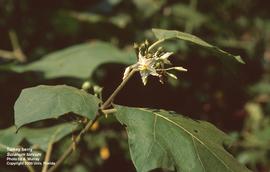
{"points": [[180, 69], [86, 85], [172, 75]]}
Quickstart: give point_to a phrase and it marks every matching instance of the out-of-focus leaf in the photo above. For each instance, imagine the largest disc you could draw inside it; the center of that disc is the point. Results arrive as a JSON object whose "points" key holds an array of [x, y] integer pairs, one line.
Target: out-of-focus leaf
{"points": [[120, 20], [100, 139], [264, 136], [9, 138], [78, 61], [105, 6], [87, 17], [188, 14], [173, 34], [252, 156], [45, 102], [162, 139], [148, 7], [255, 116], [41, 137], [234, 43], [77, 168], [260, 88]]}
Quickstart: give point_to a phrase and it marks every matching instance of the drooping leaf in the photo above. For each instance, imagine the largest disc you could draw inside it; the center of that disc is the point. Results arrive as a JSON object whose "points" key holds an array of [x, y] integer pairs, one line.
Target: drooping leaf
{"points": [[9, 138], [173, 34], [41, 137], [45, 102], [162, 139], [78, 61]]}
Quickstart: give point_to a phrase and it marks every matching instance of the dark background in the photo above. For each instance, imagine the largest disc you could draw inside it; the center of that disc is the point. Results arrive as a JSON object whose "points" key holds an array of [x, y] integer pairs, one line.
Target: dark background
{"points": [[213, 89]]}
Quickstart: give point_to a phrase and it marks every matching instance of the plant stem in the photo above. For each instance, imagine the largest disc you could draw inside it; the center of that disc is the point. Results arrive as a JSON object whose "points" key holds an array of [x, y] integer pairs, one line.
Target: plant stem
{"points": [[105, 105], [108, 102], [47, 157], [108, 111], [18, 53], [155, 44], [28, 166]]}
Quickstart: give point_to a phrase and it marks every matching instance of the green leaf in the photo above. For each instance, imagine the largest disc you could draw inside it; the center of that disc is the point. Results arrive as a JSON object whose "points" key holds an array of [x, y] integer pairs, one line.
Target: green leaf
{"points": [[121, 20], [162, 139], [41, 137], [36, 136], [147, 8], [189, 15], [78, 61], [45, 102], [9, 138], [173, 34]]}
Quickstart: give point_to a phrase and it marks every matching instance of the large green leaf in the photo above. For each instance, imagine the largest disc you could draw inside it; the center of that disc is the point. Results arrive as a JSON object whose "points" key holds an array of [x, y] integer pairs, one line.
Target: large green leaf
{"points": [[44, 102], [78, 61], [173, 34], [162, 139]]}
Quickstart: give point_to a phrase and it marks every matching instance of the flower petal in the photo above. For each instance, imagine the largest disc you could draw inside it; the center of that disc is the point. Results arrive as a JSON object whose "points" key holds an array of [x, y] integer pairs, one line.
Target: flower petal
{"points": [[179, 68], [172, 75], [166, 55]]}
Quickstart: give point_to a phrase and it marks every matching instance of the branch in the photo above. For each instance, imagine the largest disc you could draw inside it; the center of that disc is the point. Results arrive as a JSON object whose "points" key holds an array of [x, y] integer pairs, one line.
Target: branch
{"points": [[27, 164], [47, 157], [105, 105], [17, 52], [7, 54]]}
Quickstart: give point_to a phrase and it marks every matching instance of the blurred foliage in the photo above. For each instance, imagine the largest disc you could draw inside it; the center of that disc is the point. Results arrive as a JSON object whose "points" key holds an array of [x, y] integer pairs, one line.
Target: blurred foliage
{"points": [[233, 97]]}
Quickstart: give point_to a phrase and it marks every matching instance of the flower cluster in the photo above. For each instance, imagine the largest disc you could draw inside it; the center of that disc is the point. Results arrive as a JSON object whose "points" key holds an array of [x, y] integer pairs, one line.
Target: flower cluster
{"points": [[152, 63]]}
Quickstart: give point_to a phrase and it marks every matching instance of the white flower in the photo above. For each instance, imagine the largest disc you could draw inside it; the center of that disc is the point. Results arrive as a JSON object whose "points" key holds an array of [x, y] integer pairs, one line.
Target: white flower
{"points": [[164, 58], [146, 66], [152, 64]]}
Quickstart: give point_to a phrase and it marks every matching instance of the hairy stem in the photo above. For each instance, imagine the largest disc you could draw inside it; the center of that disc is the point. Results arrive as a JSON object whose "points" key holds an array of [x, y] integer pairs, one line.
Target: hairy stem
{"points": [[103, 107]]}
